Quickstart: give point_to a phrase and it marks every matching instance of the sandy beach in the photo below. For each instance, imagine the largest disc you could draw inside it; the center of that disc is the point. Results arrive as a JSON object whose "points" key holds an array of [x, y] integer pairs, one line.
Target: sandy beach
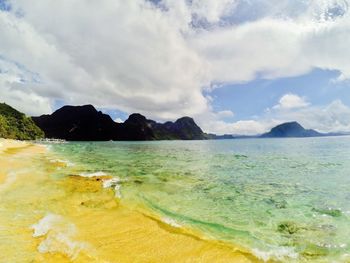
{"points": [[48, 218]]}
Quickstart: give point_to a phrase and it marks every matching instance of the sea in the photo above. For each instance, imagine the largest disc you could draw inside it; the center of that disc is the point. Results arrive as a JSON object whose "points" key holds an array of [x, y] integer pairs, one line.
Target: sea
{"points": [[286, 200]]}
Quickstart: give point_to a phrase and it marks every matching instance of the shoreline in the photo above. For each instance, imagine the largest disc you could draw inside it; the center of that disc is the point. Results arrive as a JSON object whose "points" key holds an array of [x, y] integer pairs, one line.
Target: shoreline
{"points": [[73, 218]]}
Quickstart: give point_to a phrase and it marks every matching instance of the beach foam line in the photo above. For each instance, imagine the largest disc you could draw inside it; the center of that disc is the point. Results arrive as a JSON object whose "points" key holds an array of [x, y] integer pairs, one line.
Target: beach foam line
{"points": [[170, 222], [278, 253], [59, 236], [95, 174], [62, 162]]}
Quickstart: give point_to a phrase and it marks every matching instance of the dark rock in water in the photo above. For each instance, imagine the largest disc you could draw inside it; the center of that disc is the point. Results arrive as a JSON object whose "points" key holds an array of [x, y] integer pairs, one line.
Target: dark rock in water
{"points": [[240, 156], [290, 129], [138, 182], [328, 211], [280, 204], [85, 123], [288, 228], [313, 251]]}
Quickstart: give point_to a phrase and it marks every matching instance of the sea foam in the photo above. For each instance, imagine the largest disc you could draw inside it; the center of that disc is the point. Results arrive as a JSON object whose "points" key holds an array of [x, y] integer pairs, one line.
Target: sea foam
{"points": [[114, 183], [279, 253], [95, 174], [170, 222], [64, 162], [59, 236]]}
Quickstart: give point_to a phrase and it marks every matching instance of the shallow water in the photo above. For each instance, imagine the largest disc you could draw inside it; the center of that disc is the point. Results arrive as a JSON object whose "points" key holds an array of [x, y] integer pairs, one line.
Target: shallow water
{"points": [[283, 199], [51, 211]]}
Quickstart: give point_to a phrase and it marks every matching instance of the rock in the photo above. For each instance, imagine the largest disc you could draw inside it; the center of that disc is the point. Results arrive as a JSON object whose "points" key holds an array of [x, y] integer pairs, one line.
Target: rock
{"points": [[328, 211], [288, 228]]}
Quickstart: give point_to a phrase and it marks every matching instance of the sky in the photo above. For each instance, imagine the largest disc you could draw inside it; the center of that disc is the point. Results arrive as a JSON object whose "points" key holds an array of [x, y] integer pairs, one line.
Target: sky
{"points": [[235, 66]]}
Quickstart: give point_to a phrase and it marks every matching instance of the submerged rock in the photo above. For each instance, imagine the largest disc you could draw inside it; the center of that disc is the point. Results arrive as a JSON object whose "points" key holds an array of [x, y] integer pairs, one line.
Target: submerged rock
{"points": [[280, 204], [314, 251], [334, 212], [288, 227]]}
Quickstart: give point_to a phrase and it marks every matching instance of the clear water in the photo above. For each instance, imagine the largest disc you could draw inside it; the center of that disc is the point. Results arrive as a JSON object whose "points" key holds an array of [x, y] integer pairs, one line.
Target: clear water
{"points": [[284, 199]]}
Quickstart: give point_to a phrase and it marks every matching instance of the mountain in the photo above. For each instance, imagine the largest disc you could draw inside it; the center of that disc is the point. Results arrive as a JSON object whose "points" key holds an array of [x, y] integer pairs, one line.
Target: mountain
{"points": [[15, 125], [290, 129], [184, 129], [85, 123], [77, 123]]}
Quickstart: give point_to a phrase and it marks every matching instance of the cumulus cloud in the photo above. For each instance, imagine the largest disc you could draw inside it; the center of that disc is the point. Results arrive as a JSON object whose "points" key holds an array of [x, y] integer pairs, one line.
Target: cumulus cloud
{"points": [[243, 127], [291, 101], [157, 57], [225, 114], [333, 117], [212, 11], [117, 54], [15, 83]]}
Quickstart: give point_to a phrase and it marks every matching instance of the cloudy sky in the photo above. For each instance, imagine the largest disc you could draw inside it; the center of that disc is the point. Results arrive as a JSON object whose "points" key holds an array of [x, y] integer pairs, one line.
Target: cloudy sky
{"points": [[236, 66]]}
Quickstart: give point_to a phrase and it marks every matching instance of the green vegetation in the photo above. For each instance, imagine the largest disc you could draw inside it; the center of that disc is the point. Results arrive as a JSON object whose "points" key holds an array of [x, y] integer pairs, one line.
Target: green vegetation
{"points": [[15, 125]]}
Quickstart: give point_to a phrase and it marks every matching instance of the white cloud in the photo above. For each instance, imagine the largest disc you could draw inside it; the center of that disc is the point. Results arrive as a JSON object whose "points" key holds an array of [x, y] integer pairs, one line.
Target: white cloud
{"points": [[225, 114], [244, 127], [334, 117], [136, 57], [132, 59], [13, 78], [291, 101], [212, 10]]}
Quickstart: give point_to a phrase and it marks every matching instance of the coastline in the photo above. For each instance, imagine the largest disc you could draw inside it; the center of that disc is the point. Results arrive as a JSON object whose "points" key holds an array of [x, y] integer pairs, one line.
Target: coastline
{"points": [[53, 218]]}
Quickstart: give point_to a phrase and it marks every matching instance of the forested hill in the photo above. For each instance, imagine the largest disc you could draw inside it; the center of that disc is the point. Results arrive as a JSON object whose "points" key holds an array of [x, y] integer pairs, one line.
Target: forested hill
{"points": [[16, 125]]}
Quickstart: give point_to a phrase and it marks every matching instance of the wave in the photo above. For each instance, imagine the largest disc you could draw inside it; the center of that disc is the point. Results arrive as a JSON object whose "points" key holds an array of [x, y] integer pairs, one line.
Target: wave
{"points": [[213, 227]]}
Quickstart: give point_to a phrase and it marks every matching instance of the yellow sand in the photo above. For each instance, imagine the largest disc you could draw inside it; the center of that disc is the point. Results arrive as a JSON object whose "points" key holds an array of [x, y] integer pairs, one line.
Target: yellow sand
{"points": [[76, 220]]}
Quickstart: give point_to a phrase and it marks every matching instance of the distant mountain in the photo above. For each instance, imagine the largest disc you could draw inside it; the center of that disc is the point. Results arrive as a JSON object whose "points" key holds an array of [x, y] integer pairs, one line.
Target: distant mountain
{"points": [[212, 136], [15, 125], [85, 123], [290, 129]]}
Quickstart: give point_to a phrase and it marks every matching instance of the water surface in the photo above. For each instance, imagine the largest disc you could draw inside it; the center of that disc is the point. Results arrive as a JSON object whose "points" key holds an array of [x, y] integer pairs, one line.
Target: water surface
{"points": [[284, 199]]}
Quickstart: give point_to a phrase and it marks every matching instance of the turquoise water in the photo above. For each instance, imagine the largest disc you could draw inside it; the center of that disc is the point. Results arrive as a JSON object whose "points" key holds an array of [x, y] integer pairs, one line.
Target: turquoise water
{"points": [[284, 199]]}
